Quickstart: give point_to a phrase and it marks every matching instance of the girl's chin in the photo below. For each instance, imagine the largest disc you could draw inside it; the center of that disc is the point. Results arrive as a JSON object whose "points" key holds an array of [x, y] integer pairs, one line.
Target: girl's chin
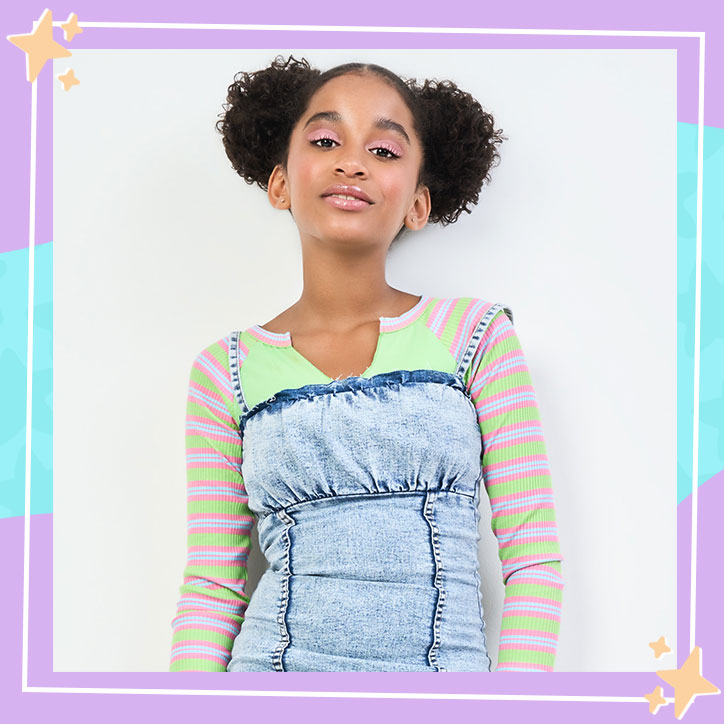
{"points": [[362, 235]]}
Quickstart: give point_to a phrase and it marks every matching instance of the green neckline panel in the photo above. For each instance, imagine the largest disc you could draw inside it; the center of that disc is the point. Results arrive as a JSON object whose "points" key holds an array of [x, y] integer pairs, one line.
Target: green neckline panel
{"points": [[268, 368]]}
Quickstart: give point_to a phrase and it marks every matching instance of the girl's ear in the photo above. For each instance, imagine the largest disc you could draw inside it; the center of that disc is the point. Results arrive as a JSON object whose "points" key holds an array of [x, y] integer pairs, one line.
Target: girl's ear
{"points": [[416, 217], [278, 190]]}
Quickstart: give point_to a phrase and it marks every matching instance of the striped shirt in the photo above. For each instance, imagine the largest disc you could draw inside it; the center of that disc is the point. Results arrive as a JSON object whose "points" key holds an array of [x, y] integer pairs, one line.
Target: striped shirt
{"points": [[516, 476]]}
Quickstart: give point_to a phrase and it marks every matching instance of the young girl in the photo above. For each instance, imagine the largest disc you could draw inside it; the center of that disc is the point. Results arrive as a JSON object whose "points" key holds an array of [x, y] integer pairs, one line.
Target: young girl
{"points": [[358, 426]]}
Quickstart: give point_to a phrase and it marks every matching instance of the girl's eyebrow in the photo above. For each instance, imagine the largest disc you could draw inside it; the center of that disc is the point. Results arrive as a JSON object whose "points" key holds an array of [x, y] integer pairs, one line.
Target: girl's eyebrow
{"points": [[386, 124]]}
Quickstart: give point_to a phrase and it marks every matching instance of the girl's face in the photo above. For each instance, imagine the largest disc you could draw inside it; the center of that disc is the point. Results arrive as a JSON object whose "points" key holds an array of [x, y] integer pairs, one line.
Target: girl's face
{"points": [[358, 133]]}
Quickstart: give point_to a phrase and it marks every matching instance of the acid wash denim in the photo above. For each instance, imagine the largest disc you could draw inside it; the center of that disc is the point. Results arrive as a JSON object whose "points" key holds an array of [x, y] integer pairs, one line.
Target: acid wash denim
{"points": [[366, 493]]}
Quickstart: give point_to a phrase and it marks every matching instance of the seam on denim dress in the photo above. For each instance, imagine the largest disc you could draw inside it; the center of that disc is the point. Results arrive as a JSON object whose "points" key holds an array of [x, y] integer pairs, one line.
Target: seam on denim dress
{"points": [[461, 371], [437, 580], [366, 494], [235, 372], [478, 582], [284, 638], [475, 339]]}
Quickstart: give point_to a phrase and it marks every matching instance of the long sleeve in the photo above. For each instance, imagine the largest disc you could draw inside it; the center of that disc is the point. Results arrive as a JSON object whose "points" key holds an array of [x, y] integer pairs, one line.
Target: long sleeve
{"points": [[518, 482], [211, 608]]}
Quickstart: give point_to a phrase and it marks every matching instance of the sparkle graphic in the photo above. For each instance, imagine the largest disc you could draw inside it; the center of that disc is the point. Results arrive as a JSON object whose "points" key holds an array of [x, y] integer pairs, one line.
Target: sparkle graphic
{"points": [[39, 45], [71, 27], [688, 682], [656, 699], [660, 647], [68, 79]]}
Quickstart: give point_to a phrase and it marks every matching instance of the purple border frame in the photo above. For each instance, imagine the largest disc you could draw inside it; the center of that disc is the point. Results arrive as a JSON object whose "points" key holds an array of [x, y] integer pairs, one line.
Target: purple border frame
{"points": [[561, 15]]}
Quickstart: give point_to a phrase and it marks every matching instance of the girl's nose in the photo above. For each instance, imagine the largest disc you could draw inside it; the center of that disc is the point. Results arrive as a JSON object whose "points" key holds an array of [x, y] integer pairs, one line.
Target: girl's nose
{"points": [[351, 166]]}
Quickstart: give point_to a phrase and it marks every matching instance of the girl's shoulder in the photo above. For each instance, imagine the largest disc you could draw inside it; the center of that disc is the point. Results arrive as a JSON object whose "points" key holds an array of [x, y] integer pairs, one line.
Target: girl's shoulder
{"points": [[211, 379], [457, 317]]}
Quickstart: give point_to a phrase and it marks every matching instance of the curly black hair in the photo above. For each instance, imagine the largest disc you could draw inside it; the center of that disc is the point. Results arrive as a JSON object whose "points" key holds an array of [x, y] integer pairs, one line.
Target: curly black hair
{"points": [[458, 137]]}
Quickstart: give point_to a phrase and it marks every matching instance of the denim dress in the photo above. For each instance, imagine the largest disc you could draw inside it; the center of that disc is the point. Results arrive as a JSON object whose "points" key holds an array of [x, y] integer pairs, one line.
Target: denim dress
{"points": [[366, 494]]}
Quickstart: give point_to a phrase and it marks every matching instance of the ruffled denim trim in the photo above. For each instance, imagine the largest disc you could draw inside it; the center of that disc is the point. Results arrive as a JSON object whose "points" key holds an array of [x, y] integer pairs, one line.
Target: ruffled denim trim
{"points": [[357, 384]]}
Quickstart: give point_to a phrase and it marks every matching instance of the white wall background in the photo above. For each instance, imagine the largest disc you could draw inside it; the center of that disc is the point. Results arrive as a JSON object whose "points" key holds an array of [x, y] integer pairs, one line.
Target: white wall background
{"points": [[160, 249]]}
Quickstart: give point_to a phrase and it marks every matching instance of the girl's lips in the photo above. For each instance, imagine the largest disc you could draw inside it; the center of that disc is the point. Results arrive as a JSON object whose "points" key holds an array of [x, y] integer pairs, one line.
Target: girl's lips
{"points": [[348, 204]]}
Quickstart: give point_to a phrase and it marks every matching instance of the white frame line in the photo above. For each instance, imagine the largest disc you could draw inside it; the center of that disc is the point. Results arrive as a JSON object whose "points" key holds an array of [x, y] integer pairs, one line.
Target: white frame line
{"points": [[346, 694], [386, 29], [697, 346], [29, 396]]}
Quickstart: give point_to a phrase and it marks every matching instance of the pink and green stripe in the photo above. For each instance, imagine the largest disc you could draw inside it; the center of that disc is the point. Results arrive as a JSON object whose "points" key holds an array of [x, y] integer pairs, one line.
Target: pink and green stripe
{"points": [[516, 475]]}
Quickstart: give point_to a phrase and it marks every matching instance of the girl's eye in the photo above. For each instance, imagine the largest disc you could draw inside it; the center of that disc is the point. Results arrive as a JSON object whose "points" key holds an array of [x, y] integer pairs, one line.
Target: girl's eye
{"points": [[389, 151], [323, 138]]}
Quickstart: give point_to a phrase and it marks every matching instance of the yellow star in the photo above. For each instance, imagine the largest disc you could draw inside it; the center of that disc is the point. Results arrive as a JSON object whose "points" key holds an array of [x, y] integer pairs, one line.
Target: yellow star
{"points": [[655, 700], [688, 682], [660, 647], [71, 27], [68, 80], [39, 45]]}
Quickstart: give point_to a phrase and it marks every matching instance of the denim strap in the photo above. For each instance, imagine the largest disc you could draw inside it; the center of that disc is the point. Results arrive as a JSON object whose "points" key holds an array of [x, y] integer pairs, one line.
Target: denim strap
{"points": [[477, 336], [234, 370]]}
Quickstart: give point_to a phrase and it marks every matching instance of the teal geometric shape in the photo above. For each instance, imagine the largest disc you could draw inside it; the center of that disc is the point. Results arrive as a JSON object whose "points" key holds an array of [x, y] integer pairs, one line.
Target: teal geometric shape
{"points": [[13, 373], [711, 363]]}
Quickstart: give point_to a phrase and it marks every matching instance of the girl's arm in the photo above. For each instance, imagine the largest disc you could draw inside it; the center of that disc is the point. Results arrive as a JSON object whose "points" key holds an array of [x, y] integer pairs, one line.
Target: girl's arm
{"points": [[211, 608], [518, 481]]}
